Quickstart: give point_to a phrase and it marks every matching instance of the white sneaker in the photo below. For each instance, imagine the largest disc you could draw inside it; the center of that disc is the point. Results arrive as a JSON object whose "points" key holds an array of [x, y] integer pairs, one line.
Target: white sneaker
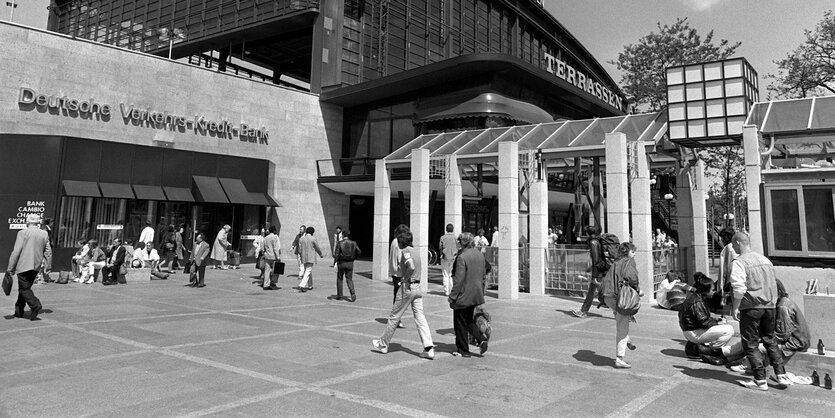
{"points": [[620, 364], [754, 384], [429, 354], [739, 368], [784, 380], [378, 345], [400, 325]]}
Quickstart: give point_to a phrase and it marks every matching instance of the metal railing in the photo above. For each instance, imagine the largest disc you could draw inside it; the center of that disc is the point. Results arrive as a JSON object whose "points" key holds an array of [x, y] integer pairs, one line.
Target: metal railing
{"points": [[667, 260]]}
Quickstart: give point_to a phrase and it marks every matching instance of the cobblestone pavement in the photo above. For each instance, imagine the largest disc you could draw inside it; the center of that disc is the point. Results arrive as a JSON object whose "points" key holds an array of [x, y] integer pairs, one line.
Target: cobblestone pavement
{"points": [[159, 348]]}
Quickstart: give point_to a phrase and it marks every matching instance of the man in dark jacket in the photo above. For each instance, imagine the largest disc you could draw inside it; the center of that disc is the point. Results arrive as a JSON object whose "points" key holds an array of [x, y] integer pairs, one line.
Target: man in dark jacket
{"points": [[707, 337], [344, 255], [467, 292], [115, 259], [597, 269]]}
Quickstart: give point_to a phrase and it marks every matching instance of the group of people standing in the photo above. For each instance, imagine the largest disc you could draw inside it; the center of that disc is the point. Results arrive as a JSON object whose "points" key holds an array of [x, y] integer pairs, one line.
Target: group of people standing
{"points": [[463, 264]]}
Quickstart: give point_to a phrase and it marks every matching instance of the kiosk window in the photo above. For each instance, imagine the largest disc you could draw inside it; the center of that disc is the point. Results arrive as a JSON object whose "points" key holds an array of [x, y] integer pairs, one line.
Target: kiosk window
{"points": [[801, 221], [820, 219], [787, 232]]}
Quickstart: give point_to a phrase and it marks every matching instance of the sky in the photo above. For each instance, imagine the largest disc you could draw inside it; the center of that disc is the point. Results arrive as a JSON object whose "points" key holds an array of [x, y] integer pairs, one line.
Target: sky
{"points": [[768, 29]]}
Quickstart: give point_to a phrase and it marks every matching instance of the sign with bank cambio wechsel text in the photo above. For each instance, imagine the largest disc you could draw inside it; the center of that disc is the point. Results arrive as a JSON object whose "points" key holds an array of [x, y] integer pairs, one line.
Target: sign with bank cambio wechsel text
{"points": [[147, 117], [582, 81]]}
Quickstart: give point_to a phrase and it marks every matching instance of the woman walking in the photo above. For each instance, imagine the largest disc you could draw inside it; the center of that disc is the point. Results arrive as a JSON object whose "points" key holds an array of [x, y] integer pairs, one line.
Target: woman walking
{"points": [[220, 247], [623, 271]]}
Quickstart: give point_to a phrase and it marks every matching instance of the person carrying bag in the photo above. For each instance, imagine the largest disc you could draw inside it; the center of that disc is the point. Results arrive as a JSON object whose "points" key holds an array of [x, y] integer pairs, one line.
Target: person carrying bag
{"points": [[620, 291]]}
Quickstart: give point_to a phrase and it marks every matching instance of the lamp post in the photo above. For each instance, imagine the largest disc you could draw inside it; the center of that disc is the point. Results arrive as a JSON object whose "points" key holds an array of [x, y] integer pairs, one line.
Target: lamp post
{"points": [[169, 35], [13, 5], [669, 198]]}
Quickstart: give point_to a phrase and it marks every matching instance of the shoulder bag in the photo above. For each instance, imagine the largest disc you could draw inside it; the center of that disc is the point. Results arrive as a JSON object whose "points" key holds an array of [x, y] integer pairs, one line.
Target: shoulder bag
{"points": [[629, 301]]}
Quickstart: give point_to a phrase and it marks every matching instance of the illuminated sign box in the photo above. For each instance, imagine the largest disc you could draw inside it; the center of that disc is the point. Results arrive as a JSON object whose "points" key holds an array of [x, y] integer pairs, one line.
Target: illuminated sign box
{"points": [[707, 103]]}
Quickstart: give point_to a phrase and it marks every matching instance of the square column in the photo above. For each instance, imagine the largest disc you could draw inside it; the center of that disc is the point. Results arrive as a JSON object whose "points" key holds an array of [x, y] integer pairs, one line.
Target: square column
{"points": [[697, 198], [419, 212], [684, 216], [539, 235], [753, 179], [617, 184], [642, 222], [453, 209], [508, 220], [382, 210]]}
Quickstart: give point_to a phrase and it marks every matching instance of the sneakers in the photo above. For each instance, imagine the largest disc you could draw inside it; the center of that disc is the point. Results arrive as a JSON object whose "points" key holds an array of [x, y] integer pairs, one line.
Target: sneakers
{"points": [[482, 347], [578, 313], [429, 354], [400, 325], [631, 346], [379, 346], [754, 384], [620, 364], [739, 368], [784, 380]]}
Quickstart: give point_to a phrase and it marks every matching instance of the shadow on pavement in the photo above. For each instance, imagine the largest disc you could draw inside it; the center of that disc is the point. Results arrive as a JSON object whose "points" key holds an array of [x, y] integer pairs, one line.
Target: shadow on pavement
{"points": [[710, 374], [588, 315], [595, 359]]}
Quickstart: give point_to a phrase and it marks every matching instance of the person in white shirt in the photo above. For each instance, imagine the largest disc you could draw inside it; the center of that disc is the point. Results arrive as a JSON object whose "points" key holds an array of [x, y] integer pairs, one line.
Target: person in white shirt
{"points": [[137, 259], [481, 241], [494, 240], [147, 234], [150, 257]]}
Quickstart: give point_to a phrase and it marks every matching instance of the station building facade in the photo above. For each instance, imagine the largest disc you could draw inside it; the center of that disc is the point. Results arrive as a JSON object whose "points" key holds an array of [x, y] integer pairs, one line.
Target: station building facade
{"points": [[271, 112]]}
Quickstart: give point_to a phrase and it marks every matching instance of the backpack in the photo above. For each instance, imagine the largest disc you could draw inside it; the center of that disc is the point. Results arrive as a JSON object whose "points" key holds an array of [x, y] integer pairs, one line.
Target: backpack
{"points": [[609, 247]]}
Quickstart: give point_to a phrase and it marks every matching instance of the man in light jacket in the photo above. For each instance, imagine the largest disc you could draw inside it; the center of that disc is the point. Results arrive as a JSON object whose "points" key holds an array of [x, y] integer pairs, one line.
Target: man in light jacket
{"points": [[271, 248], [200, 259], [449, 248], [308, 249], [31, 250]]}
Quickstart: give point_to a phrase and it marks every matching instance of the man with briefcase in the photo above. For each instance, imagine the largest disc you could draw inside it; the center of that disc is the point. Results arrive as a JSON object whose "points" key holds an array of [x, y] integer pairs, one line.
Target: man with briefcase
{"points": [[271, 250]]}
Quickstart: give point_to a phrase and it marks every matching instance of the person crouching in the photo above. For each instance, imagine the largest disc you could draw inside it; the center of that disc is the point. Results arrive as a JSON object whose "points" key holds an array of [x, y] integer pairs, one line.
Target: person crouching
{"points": [[707, 337]]}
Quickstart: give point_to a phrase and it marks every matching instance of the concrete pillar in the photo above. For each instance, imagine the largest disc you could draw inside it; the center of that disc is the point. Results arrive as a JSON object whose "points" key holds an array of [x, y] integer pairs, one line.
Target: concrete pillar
{"points": [[453, 210], [419, 211], [684, 217], [642, 222], [617, 184], [753, 179], [697, 199], [382, 209], [508, 220], [539, 235]]}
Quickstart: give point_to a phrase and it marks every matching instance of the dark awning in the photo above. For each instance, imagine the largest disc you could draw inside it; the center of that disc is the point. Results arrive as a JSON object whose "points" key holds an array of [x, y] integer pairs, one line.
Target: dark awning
{"points": [[148, 192], [208, 189], [81, 188], [485, 104], [264, 199], [236, 191], [116, 190], [178, 194]]}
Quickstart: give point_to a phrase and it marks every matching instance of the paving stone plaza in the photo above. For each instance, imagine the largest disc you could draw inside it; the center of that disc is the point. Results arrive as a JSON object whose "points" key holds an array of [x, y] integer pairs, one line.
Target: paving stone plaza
{"points": [[159, 348]]}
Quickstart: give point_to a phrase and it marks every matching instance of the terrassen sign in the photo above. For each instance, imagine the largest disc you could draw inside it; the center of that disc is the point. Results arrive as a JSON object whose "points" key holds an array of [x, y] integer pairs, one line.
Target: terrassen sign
{"points": [[142, 117], [582, 81]]}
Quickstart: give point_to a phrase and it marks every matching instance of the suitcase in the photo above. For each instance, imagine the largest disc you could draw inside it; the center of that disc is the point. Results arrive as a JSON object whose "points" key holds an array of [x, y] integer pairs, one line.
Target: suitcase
{"points": [[234, 258]]}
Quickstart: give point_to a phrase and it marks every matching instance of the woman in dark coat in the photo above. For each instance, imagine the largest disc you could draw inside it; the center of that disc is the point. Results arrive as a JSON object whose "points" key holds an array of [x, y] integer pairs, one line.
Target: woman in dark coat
{"points": [[623, 269], [169, 248]]}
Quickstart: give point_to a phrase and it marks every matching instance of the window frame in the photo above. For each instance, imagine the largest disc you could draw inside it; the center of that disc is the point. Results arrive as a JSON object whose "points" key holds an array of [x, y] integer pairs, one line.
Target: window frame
{"points": [[799, 188]]}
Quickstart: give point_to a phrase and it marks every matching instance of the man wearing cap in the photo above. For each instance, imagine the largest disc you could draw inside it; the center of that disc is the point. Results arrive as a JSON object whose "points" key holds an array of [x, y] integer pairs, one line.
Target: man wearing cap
{"points": [[31, 249]]}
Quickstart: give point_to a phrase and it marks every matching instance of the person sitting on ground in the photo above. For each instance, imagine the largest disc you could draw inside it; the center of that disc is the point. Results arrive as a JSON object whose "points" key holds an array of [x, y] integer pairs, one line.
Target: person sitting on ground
{"points": [[707, 337], [150, 257], [672, 292], [77, 259], [137, 259]]}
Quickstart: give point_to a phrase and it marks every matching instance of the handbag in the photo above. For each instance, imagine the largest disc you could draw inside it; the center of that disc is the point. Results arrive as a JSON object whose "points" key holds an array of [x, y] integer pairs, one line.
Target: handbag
{"points": [[278, 267], [7, 283], [123, 269], [629, 301], [187, 268]]}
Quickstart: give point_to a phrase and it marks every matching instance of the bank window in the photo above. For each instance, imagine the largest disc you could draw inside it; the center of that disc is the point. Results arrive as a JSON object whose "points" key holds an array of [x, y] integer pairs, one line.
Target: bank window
{"points": [[801, 221], [86, 218]]}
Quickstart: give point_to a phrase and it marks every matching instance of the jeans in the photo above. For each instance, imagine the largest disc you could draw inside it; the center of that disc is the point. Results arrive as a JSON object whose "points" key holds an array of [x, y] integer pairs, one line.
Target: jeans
{"points": [[463, 322], [345, 269], [410, 295], [307, 275], [446, 269], [715, 336], [590, 295], [25, 295], [755, 326], [621, 326]]}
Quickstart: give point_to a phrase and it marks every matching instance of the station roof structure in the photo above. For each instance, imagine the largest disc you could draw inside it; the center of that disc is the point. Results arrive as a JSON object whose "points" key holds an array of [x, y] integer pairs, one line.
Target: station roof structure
{"points": [[561, 139], [798, 127]]}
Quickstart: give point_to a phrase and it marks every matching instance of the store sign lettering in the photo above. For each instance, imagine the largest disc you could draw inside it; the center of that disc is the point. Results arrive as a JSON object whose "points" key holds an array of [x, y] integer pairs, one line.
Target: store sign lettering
{"points": [[580, 80], [31, 206], [145, 117]]}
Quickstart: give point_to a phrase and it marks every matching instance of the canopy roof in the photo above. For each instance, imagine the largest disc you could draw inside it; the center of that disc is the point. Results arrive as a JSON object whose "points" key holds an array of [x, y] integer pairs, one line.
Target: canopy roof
{"points": [[584, 138], [798, 127], [487, 104]]}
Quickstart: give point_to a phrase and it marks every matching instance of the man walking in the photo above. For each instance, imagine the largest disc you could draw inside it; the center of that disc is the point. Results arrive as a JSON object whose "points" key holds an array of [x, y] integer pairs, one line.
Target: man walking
{"points": [[410, 295], [599, 266], [449, 248], [271, 247], [296, 251], [755, 298], [308, 249], [346, 252], [467, 293], [394, 265], [31, 249]]}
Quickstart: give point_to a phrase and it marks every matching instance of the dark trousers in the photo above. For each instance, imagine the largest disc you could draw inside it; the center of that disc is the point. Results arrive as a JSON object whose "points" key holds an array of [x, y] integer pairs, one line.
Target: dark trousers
{"points": [[345, 269], [755, 326], [201, 273], [590, 295], [462, 322], [395, 281], [25, 295], [110, 274]]}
